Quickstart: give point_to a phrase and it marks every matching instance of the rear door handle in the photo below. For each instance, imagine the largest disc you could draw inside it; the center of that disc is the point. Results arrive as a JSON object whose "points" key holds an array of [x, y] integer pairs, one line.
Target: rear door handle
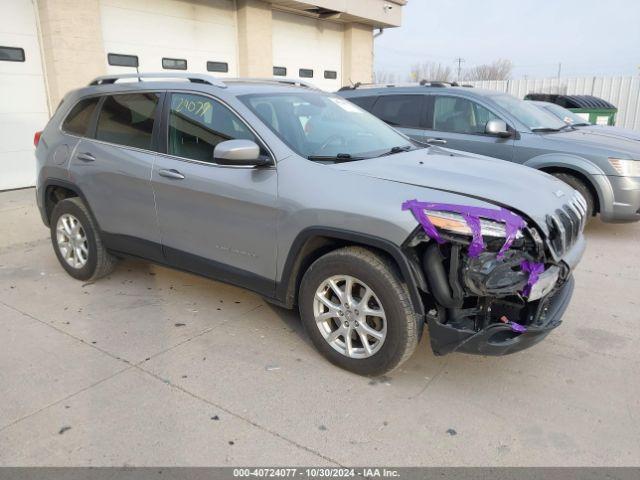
{"points": [[86, 157], [175, 174], [437, 141]]}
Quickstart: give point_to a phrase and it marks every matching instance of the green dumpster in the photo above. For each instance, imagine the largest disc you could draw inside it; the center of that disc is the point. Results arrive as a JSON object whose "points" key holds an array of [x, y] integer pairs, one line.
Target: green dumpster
{"points": [[593, 109]]}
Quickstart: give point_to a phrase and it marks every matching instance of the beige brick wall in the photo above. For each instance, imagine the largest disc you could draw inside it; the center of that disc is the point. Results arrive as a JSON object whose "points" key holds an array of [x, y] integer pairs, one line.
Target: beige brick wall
{"points": [[357, 55], [71, 40], [255, 50]]}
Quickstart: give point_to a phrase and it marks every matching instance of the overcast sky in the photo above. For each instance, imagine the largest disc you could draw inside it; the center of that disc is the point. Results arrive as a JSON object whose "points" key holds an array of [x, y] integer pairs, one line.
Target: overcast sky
{"points": [[589, 37]]}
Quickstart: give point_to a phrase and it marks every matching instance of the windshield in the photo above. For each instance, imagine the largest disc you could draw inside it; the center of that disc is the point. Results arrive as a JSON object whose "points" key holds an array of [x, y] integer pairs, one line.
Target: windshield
{"points": [[565, 115], [528, 114], [320, 125]]}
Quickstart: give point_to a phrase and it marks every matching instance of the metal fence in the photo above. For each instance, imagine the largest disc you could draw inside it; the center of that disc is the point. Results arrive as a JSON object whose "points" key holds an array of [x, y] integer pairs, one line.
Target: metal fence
{"points": [[623, 92]]}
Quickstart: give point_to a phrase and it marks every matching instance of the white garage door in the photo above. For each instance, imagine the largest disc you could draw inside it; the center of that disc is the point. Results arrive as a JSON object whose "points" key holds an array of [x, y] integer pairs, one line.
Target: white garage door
{"points": [[196, 31], [306, 46], [23, 101]]}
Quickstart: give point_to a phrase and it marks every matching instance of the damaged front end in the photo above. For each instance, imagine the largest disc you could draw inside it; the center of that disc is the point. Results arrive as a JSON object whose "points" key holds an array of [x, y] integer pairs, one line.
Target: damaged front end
{"points": [[493, 287]]}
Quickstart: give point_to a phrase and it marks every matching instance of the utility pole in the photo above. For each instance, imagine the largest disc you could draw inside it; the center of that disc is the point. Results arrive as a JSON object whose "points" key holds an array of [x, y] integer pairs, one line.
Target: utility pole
{"points": [[559, 72], [460, 62]]}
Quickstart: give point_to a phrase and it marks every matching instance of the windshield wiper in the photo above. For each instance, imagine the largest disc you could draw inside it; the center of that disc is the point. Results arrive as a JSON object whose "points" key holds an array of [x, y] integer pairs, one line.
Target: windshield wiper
{"points": [[338, 158], [394, 150]]}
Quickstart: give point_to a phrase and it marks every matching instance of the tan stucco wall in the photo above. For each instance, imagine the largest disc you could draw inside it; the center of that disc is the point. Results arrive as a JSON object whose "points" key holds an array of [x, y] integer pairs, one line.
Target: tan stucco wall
{"points": [[71, 41], [255, 50], [357, 54]]}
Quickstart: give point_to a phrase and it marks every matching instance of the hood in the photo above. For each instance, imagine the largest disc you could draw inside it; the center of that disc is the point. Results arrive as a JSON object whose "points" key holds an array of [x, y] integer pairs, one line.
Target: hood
{"points": [[596, 141], [523, 189], [614, 132]]}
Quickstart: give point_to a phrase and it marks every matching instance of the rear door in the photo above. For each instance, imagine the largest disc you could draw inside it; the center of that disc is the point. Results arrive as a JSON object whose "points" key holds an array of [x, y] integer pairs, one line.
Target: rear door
{"points": [[112, 167], [215, 220], [459, 123], [406, 113]]}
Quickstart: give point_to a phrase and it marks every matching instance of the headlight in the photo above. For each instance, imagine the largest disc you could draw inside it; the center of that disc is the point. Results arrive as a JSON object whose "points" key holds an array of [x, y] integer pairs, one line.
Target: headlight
{"points": [[626, 168], [455, 223]]}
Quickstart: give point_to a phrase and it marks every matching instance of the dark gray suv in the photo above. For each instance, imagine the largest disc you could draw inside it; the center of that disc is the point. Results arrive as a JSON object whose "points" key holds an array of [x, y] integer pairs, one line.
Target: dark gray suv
{"points": [[603, 168], [308, 200]]}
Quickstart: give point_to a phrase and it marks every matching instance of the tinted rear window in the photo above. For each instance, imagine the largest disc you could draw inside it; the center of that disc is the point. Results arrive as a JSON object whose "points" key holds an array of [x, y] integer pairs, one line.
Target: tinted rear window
{"points": [[77, 122], [128, 119], [400, 110], [366, 103]]}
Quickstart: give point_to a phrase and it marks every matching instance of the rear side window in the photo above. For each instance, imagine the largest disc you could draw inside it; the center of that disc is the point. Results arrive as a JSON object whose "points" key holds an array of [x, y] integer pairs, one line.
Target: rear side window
{"points": [[400, 110], [78, 119], [366, 103], [128, 119]]}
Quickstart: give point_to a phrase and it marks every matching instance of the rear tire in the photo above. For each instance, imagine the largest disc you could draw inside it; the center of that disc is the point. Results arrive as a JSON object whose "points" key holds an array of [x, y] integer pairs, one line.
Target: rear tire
{"points": [[77, 243], [377, 314], [581, 187]]}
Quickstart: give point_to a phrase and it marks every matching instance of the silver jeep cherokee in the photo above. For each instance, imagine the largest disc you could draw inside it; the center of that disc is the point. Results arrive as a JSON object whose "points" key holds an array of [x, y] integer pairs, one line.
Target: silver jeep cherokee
{"points": [[308, 200]]}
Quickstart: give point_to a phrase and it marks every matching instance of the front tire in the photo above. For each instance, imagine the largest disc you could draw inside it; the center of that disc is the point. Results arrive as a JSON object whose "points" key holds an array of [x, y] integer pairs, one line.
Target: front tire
{"points": [[77, 243], [357, 311]]}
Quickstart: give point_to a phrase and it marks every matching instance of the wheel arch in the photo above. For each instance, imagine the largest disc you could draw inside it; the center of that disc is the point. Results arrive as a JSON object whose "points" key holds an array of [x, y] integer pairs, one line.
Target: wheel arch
{"points": [[313, 242], [585, 170], [55, 190]]}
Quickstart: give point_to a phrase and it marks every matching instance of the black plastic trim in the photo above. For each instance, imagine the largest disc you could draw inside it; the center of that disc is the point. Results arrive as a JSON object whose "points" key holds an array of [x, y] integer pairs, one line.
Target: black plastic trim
{"points": [[286, 289]]}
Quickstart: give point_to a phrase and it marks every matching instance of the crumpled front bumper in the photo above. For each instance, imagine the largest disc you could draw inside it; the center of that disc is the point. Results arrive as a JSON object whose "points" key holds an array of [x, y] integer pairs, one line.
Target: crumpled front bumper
{"points": [[500, 339]]}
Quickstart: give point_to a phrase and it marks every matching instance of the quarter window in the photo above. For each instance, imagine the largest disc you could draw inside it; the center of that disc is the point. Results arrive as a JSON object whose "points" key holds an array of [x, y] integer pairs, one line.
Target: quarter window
{"points": [[400, 110], [197, 124], [460, 115], [174, 64], [128, 119], [77, 122], [11, 54]]}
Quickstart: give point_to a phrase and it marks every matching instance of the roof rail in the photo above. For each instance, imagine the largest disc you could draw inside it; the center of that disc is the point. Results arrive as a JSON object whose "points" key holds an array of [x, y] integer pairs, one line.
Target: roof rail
{"points": [[192, 77], [286, 81]]}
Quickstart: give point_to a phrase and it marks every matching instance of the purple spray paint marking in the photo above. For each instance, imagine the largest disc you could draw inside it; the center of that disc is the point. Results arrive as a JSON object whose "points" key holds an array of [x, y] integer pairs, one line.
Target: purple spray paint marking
{"points": [[516, 327], [534, 270], [513, 223]]}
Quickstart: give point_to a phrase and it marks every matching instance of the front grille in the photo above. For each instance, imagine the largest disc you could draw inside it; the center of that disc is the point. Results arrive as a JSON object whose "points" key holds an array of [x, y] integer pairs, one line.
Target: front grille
{"points": [[566, 225]]}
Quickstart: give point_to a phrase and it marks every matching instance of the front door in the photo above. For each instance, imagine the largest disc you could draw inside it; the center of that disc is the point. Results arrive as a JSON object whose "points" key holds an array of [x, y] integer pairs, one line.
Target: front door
{"points": [[459, 123], [215, 220]]}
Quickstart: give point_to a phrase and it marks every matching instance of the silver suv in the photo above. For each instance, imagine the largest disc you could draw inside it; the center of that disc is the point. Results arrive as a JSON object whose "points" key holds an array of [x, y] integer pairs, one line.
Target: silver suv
{"points": [[605, 169], [308, 200]]}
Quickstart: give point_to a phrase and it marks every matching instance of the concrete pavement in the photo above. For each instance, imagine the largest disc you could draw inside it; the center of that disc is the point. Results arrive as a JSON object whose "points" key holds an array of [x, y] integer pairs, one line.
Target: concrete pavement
{"points": [[155, 367]]}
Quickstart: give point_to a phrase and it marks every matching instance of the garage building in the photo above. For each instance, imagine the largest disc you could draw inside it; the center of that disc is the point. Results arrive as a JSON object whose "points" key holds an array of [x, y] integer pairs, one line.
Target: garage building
{"points": [[48, 47]]}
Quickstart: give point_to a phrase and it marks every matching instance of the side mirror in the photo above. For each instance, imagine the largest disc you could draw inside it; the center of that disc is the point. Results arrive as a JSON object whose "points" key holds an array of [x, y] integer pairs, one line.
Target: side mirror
{"points": [[498, 128], [238, 153]]}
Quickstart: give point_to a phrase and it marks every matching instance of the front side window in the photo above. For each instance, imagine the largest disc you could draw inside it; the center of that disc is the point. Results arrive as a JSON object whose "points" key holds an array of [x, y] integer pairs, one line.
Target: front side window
{"points": [[197, 124], [128, 119], [460, 115], [77, 122], [400, 110], [315, 124]]}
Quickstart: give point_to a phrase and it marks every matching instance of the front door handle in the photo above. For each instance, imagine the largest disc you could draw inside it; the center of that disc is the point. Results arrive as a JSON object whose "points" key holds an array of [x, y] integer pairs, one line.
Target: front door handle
{"points": [[172, 173], [437, 141], [86, 157]]}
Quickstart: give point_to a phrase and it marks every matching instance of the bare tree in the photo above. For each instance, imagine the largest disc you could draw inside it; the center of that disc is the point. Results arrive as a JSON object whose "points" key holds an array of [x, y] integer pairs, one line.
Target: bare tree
{"points": [[384, 76], [498, 70], [430, 71]]}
